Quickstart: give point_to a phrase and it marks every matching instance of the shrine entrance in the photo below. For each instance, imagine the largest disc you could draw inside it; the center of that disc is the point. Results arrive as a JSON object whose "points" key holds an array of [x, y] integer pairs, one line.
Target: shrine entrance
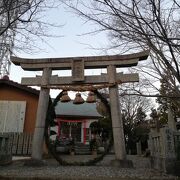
{"points": [[78, 78], [70, 129]]}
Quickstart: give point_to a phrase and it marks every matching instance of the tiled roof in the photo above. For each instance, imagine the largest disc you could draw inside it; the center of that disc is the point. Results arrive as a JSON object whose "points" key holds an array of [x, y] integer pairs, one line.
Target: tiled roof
{"points": [[85, 110], [18, 86]]}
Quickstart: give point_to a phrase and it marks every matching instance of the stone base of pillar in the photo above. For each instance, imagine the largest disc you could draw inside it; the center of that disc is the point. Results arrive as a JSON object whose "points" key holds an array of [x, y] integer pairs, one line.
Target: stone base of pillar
{"points": [[5, 159], [35, 163], [122, 163], [166, 165]]}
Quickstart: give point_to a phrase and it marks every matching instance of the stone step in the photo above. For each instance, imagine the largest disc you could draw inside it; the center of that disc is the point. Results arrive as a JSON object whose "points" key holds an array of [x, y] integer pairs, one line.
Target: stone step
{"points": [[82, 149], [81, 144], [82, 153]]}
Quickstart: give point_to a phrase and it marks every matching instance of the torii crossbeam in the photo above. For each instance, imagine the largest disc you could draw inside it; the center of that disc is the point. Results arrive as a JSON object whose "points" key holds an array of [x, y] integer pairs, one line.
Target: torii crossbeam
{"points": [[77, 65]]}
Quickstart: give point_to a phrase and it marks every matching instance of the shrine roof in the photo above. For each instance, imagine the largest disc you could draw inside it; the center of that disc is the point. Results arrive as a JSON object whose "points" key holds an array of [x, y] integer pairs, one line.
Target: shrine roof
{"points": [[8, 82], [70, 110]]}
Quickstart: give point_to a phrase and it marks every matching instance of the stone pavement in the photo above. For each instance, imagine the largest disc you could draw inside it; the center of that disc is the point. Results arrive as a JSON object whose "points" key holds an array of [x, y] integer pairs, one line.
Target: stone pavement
{"points": [[52, 170]]}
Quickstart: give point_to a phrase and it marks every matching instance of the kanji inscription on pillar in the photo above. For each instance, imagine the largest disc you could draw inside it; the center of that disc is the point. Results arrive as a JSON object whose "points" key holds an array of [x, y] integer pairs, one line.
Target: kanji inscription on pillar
{"points": [[78, 70]]}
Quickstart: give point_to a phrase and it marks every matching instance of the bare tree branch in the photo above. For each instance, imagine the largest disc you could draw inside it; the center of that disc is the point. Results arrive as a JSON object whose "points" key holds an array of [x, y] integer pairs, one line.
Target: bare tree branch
{"points": [[140, 24]]}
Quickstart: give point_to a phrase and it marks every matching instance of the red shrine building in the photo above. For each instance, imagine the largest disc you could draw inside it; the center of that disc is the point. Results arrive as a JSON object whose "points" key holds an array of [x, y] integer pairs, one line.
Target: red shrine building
{"points": [[74, 120]]}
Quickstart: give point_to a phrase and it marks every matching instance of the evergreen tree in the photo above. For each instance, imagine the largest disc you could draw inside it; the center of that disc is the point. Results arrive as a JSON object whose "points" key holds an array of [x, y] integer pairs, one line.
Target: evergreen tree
{"points": [[170, 99]]}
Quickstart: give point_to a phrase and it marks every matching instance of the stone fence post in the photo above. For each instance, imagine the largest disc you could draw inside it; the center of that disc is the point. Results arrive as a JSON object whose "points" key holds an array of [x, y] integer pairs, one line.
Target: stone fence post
{"points": [[5, 152], [138, 147], [162, 147]]}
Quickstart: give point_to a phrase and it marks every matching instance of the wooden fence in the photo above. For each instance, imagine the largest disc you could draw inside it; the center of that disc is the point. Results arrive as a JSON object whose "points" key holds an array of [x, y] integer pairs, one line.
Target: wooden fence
{"points": [[20, 143]]}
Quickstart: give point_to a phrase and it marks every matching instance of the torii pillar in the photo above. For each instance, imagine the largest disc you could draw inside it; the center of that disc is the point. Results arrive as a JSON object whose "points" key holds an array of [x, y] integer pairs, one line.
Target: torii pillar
{"points": [[38, 137], [117, 123]]}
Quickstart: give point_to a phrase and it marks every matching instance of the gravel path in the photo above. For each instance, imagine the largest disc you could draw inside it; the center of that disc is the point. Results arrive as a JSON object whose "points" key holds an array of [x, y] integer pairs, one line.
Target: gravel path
{"points": [[52, 170]]}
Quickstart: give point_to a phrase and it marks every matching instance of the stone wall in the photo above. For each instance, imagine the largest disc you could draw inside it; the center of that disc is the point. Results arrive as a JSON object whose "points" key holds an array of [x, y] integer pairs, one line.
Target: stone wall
{"points": [[163, 148]]}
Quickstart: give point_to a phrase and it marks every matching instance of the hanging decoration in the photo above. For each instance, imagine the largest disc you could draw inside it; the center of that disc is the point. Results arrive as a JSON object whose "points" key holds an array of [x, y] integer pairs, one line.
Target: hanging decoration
{"points": [[101, 108], [82, 88], [65, 97], [91, 97], [78, 99]]}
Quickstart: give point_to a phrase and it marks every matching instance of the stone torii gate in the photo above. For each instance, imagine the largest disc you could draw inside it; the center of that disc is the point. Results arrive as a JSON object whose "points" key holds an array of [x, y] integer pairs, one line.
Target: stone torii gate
{"points": [[77, 65]]}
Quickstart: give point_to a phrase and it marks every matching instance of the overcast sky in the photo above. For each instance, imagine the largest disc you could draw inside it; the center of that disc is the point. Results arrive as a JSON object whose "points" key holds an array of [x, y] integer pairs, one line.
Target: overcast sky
{"points": [[71, 43]]}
